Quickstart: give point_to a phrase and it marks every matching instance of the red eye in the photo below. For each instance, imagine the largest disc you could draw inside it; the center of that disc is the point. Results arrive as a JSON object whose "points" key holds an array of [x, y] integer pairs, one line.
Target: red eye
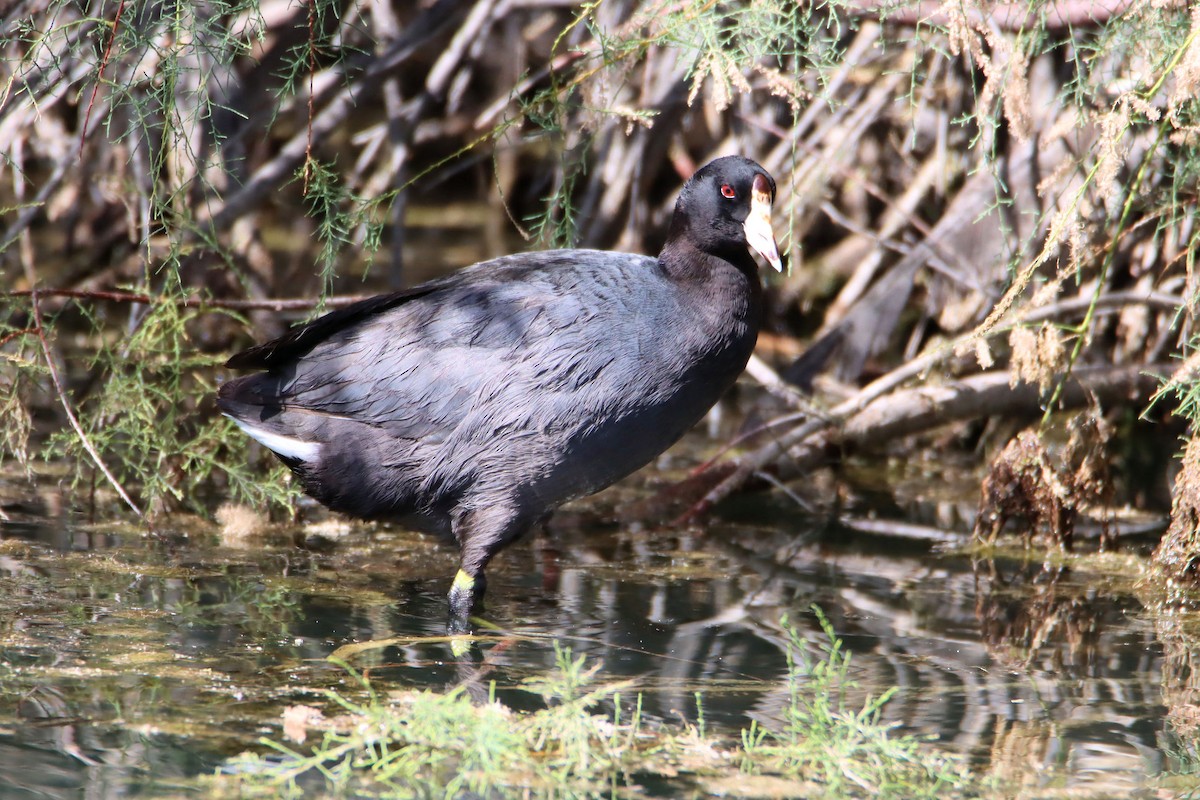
{"points": [[727, 191]]}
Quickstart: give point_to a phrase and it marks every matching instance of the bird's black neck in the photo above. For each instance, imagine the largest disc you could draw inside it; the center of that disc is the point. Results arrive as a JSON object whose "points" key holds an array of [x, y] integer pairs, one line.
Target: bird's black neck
{"points": [[684, 261]]}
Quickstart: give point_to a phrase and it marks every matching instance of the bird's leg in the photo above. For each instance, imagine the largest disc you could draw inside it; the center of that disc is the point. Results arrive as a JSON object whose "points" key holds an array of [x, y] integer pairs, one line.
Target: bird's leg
{"points": [[481, 533], [466, 597]]}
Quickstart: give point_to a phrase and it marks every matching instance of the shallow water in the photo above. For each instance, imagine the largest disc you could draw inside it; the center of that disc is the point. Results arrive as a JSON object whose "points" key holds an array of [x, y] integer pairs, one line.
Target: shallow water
{"points": [[130, 663]]}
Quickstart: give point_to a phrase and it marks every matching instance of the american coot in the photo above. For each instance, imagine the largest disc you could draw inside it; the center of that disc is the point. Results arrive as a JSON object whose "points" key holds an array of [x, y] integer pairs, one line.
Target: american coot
{"points": [[476, 404]]}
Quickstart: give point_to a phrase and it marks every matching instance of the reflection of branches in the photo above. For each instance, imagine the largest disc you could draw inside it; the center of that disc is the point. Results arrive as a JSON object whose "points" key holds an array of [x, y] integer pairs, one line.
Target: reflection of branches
{"points": [[1180, 675], [1034, 606]]}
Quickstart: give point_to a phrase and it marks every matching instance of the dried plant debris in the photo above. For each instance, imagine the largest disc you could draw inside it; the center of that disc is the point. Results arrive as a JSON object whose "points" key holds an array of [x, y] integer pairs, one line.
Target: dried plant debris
{"points": [[1178, 553], [1038, 357], [1047, 487]]}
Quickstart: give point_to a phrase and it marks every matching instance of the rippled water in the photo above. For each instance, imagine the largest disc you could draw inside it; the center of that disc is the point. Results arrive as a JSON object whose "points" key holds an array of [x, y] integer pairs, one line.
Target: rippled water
{"points": [[130, 663]]}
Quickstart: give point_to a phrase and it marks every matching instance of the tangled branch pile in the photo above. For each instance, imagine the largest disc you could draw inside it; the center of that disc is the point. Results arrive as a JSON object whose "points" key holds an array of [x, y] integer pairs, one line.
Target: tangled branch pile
{"points": [[989, 208]]}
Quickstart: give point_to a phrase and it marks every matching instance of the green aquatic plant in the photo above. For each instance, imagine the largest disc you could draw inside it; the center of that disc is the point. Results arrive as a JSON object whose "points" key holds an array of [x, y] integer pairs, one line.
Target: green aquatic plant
{"points": [[844, 747], [583, 744], [150, 413], [424, 743]]}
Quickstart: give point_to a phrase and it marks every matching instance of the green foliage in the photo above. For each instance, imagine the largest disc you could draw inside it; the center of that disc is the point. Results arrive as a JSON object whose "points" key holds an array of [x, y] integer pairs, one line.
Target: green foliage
{"points": [[21, 372], [153, 86], [422, 744], [411, 744], [847, 749], [340, 214], [150, 414], [573, 743]]}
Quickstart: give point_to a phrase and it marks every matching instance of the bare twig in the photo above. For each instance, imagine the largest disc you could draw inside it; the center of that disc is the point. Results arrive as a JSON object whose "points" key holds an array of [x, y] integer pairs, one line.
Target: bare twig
{"points": [[1060, 15], [292, 304], [769, 379], [66, 404], [116, 29]]}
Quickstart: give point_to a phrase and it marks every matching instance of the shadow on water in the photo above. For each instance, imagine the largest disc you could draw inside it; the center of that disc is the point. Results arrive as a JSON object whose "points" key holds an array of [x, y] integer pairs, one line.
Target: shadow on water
{"points": [[130, 664]]}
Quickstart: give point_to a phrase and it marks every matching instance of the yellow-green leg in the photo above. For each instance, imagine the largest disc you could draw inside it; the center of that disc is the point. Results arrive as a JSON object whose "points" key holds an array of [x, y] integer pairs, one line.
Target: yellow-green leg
{"points": [[466, 597]]}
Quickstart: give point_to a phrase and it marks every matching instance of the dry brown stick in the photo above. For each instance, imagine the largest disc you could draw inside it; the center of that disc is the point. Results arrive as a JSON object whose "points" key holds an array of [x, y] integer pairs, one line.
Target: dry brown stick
{"points": [[925, 408], [1163, 301], [8, 337], [66, 404], [112, 37], [829, 147], [1060, 15], [290, 304], [1112, 300], [589, 49]]}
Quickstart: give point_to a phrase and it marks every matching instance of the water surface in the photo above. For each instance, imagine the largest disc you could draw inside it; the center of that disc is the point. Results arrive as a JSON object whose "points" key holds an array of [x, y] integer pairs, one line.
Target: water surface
{"points": [[132, 662]]}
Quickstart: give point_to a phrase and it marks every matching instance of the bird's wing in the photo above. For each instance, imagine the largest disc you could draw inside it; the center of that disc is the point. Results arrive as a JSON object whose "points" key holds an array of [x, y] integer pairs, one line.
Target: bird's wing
{"points": [[455, 357], [297, 342]]}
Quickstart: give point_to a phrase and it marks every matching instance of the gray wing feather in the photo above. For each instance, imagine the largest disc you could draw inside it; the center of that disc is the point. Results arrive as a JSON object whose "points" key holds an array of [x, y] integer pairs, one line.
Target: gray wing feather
{"points": [[416, 372]]}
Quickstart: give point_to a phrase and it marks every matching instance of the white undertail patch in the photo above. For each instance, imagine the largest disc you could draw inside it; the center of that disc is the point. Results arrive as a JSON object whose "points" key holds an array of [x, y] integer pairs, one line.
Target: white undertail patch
{"points": [[287, 446]]}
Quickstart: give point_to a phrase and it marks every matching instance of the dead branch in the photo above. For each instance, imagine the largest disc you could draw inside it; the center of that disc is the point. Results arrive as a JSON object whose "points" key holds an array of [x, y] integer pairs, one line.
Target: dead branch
{"points": [[1110, 301], [925, 408], [91, 105], [1059, 16], [291, 304], [886, 418]]}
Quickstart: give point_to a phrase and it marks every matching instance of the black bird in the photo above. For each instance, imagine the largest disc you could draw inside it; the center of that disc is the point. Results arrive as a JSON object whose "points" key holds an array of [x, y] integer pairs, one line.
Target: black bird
{"points": [[476, 404]]}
